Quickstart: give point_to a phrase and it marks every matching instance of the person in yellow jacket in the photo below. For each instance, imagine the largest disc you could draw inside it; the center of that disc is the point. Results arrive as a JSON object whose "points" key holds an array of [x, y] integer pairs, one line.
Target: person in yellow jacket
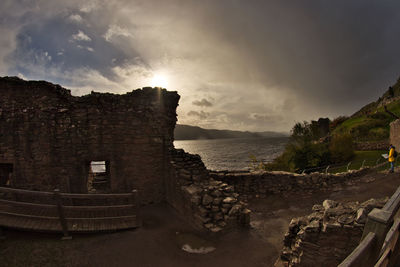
{"points": [[391, 157]]}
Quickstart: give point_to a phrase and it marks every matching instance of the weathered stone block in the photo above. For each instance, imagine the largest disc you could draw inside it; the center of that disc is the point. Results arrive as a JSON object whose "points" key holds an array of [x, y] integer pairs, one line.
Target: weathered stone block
{"points": [[229, 200], [207, 199]]}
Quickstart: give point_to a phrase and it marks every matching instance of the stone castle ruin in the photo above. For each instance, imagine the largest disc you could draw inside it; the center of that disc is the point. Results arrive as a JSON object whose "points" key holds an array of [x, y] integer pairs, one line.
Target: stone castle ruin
{"points": [[50, 138], [107, 143]]}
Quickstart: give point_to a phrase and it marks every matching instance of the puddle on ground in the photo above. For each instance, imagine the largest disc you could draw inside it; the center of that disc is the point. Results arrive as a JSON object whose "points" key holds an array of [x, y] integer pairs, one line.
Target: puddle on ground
{"points": [[194, 244]]}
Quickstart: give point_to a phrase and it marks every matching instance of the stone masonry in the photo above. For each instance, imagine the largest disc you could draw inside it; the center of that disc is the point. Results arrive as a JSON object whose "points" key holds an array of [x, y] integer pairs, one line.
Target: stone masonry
{"points": [[49, 137], [395, 134], [207, 203], [262, 183], [365, 146], [326, 236]]}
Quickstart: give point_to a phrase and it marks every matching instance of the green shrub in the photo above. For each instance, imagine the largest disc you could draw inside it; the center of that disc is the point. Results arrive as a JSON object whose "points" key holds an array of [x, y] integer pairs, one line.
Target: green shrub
{"points": [[281, 163], [310, 155], [379, 116], [341, 148], [379, 133], [302, 152]]}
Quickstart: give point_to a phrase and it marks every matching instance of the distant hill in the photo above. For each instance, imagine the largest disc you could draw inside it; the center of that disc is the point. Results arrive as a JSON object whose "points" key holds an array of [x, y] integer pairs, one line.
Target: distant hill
{"points": [[187, 132], [371, 122]]}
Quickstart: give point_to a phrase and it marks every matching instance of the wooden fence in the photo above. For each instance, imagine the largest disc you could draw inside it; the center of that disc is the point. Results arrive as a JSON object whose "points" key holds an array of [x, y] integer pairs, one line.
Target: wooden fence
{"points": [[379, 245], [66, 212]]}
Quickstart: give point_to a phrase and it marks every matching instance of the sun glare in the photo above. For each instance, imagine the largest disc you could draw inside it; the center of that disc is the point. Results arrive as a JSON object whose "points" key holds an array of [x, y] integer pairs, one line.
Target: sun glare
{"points": [[159, 80]]}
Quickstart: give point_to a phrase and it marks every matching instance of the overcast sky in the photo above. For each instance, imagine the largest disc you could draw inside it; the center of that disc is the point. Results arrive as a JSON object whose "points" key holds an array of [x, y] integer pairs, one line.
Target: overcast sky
{"points": [[243, 65]]}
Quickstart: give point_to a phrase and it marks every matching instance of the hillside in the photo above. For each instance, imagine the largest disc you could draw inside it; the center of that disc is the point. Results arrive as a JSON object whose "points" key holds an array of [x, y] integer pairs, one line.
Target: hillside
{"points": [[371, 122], [187, 132]]}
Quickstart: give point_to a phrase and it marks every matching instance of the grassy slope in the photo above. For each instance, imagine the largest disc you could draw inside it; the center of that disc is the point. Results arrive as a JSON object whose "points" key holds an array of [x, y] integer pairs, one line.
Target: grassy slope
{"points": [[371, 159], [371, 123]]}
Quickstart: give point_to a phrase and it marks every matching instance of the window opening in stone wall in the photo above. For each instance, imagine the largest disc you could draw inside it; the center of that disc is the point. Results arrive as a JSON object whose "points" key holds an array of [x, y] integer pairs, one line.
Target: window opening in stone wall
{"points": [[98, 177], [6, 170]]}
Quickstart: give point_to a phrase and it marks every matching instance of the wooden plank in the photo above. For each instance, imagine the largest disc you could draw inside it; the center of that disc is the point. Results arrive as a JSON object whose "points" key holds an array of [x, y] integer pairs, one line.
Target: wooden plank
{"points": [[102, 218], [105, 223], [61, 216], [20, 222], [102, 224], [85, 222], [92, 208], [393, 204], [111, 224], [360, 255], [92, 224], [95, 224], [89, 225], [25, 204], [28, 222], [26, 216], [37, 225], [122, 223], [95, 196], [44, 225], [48, 224], [384, 260], [391, 237], [25, 192]]}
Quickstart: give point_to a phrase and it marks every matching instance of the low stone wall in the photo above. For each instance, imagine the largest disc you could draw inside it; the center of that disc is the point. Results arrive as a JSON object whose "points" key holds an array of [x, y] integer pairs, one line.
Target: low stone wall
{"points": [[208, 204], [366, 146], [262, 184], [326, 236]]}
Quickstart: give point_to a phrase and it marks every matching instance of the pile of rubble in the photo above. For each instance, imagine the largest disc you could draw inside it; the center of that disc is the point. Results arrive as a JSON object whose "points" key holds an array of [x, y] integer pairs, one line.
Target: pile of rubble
{"points": [[328, 235], [208, 203], [216, 205]]}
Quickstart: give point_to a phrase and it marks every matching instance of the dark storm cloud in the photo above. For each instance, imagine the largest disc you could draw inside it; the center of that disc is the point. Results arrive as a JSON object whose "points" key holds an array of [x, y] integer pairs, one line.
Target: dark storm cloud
{"points": [[324, 50], [202, 103], [265, 64], [67, 46]]}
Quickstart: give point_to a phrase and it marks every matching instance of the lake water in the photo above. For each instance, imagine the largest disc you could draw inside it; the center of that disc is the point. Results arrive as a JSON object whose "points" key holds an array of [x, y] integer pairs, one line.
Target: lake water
{"points": [[234, 154]]}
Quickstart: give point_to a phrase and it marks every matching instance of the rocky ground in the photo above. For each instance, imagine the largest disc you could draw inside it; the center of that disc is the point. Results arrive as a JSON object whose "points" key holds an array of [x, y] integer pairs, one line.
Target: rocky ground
{"points": [[161, 239]]}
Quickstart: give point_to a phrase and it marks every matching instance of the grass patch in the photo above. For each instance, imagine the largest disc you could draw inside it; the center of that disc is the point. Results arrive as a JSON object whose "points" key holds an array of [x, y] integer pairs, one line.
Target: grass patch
{"points": [[369, 158], [349, 124]]}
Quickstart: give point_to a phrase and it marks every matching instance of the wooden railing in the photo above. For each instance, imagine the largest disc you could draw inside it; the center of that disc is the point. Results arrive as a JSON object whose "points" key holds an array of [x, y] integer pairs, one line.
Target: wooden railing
{"points": [[66, 212], [380, 241]]}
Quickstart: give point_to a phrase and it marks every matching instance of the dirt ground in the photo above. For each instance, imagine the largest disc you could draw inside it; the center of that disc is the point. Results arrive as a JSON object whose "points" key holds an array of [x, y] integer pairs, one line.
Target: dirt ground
{"points": [[159, 242]]}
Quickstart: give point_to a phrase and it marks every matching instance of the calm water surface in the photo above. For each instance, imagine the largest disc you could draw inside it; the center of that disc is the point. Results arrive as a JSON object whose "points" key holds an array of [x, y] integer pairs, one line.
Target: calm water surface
{"points": [[234, 154]]}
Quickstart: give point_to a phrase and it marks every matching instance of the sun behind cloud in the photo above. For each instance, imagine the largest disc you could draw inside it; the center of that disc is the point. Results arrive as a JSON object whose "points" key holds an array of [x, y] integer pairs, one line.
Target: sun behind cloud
{"points": [[159, 80]]}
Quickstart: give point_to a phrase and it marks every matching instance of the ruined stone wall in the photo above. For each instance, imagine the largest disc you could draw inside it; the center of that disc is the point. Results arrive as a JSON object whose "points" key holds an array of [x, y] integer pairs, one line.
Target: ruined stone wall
{"points": [[395, 134], [50, 137], [326, 236], [366, 146], [206, 203], [262, 184]]}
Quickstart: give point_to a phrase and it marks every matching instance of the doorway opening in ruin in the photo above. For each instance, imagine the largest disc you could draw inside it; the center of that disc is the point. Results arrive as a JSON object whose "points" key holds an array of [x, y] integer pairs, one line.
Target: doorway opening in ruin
{"points": [[6, 170], [99, 177]]}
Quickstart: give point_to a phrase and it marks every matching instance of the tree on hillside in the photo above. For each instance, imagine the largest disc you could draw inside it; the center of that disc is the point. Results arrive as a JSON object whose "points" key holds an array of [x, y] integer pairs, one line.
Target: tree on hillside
{"points": [[305, 150]]}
